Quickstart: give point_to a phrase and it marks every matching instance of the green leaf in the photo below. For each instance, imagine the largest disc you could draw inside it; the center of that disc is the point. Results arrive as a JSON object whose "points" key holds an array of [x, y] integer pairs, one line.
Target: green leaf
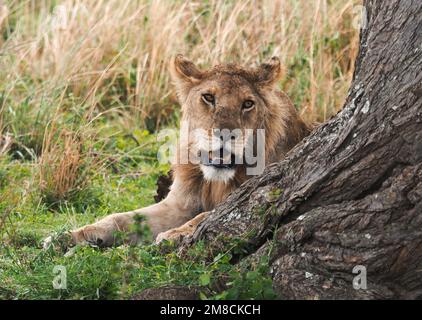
{"points": [[205, 279], [202, 296], [252, 275]]}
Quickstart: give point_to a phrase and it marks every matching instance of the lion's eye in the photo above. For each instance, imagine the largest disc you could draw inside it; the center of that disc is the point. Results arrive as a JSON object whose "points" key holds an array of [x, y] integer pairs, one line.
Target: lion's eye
{"points": [[208, 98], [248, 105]]}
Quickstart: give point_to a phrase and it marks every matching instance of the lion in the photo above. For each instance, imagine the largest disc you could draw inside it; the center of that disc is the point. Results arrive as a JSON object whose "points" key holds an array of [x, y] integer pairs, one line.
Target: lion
{"points": [[226, 96]]}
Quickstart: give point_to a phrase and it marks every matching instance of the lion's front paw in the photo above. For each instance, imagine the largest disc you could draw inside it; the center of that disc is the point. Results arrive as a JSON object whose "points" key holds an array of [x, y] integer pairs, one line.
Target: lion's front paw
{"points": [[186, 230], [59, 241], [88, 235], [92, 235], [176, 235]]}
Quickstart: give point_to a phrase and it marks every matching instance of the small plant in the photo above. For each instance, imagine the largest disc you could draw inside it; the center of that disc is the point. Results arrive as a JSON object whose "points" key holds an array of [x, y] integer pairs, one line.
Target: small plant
{"points": [[254, 283], [64, 168], [273, 195], [141, 229]]}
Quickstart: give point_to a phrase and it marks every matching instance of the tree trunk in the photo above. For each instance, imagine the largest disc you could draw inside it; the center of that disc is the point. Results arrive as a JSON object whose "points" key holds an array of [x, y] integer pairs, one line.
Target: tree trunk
{"points": [[349, 194]]}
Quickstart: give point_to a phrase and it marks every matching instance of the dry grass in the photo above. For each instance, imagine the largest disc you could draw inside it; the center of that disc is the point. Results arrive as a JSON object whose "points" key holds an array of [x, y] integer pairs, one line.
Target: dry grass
{"points": [[62, 169], [112, 52], [78, 58]]}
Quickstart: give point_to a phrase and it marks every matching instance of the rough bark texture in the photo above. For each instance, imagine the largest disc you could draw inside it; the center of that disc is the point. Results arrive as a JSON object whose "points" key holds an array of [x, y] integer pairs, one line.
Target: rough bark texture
{"points": [[350, 194]]}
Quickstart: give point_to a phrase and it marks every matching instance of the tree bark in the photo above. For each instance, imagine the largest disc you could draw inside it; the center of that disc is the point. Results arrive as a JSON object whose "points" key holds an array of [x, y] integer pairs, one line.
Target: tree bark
{"points": [[350, 193]]}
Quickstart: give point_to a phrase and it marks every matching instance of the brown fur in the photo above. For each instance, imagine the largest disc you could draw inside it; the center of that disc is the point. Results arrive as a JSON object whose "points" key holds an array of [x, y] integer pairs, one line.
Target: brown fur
{"points": [[283, 126], [190, 193]]}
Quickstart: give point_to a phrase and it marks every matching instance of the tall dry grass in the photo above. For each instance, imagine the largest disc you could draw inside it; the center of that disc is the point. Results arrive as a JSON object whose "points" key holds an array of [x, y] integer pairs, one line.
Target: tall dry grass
{"points": [[115, 52], [62, 167], [75, 57]]}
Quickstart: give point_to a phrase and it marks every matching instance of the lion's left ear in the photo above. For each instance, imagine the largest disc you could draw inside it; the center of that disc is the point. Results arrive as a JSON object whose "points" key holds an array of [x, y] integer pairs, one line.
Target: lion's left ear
{"points": [[269, 73]]}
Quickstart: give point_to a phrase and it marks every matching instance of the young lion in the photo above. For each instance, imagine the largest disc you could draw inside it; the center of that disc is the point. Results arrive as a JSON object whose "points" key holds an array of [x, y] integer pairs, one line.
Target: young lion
{"points": [[223, 97]]}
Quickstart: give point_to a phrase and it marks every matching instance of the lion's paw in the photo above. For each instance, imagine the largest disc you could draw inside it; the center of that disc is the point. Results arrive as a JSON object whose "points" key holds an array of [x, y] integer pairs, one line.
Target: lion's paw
{"points": [[175, 235], [58, 241]]}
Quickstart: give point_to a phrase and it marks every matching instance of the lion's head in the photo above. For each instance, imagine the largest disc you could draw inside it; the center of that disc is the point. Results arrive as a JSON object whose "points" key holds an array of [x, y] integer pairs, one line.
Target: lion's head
{"points": [[224, 108]]}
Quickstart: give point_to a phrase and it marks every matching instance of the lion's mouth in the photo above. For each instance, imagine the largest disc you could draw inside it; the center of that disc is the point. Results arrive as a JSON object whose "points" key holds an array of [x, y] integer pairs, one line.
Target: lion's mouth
{"points": [[220, 160]]}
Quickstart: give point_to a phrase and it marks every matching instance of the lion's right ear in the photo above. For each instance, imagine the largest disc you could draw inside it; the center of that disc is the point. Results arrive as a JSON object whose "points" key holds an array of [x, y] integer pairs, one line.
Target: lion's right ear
{"points": [[184, 74]]}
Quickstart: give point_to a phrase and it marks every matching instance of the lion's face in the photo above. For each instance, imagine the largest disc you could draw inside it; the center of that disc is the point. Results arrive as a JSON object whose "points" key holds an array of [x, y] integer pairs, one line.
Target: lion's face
{"points": [[223, 108]]}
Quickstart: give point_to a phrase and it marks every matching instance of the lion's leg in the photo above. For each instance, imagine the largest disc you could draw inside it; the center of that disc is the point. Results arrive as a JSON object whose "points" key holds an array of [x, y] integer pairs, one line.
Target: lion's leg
{"points": [[185, 230], [172, 212], [105, 231]]}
